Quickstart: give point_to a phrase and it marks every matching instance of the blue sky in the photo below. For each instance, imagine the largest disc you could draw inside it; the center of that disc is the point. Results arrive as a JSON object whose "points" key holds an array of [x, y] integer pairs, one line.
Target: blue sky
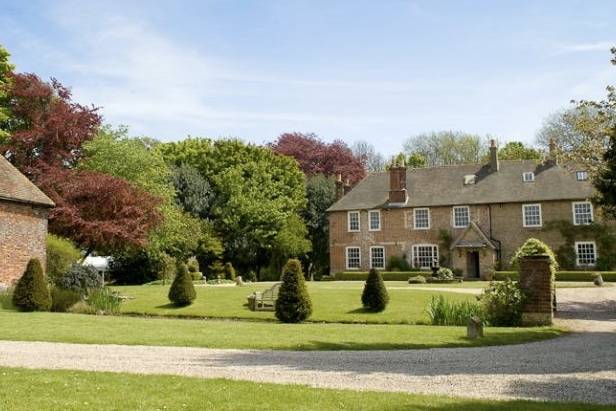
{"points": [[378, 71]]}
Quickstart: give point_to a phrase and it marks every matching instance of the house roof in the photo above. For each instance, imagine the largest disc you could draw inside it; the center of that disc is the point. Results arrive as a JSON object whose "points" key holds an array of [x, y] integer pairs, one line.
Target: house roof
{"points": [[14, 186], [444, 186]]}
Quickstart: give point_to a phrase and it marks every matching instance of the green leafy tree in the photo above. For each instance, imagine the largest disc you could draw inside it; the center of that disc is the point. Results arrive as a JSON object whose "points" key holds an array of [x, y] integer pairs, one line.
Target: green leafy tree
{"points": [[605, 182], [290, 242], [293, 304], [582, 133], [446, 147], [31, 292], [5, 69], [374, 297], [515, 150], [194, 193], [133, 159], [182, 291], [254, 191], [415, 160], [320, 195]]}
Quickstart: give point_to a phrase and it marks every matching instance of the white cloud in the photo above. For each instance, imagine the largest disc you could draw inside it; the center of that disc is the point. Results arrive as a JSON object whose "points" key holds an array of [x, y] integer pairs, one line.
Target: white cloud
{"points": [[584, 47]]}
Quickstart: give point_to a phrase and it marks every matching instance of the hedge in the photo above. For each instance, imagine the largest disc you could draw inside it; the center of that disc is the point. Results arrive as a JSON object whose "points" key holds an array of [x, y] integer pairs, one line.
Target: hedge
{"points": [[564, 275], [387, 275]]}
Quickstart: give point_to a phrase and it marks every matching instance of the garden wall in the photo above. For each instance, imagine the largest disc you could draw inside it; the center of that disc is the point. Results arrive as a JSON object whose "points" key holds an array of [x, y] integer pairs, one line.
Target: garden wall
{"points": [[564, 275]]}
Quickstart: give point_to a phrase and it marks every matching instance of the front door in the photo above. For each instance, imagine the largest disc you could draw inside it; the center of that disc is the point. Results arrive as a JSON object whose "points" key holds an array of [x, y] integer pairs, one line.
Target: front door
{"points": [[472, 264]]}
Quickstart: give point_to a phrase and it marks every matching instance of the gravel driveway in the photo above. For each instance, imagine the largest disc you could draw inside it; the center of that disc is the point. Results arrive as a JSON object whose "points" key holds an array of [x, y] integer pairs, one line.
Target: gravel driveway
{"points": [[577, 367]]}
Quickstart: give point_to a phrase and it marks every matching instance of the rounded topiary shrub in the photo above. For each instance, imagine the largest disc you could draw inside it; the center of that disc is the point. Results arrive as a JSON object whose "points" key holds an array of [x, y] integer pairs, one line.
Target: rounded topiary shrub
{"points": [[293, 304], [374, 296], [31, 292], [444, 273], [182, 291], [229, 271]]}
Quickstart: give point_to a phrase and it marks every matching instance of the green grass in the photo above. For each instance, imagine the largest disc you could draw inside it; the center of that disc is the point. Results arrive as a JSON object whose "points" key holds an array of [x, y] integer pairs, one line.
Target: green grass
{"points": [[332, 302], [25, 390], [89, 329]]}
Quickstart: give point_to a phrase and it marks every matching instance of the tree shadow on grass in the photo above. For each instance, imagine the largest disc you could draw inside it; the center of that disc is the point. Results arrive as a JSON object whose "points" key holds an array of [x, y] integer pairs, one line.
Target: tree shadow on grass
{"points": [[170, 306], [556, 356], [363, 310]]}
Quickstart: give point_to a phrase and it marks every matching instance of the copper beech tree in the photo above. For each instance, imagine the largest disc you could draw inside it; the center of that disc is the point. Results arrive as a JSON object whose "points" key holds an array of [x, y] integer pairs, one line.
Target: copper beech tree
{"points": [[317, 157], [46, 133]]}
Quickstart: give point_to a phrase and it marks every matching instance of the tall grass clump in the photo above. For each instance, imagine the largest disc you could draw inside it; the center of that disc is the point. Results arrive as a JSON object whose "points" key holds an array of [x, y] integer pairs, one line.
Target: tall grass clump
{"points": [[105, 301], [443, 312]]}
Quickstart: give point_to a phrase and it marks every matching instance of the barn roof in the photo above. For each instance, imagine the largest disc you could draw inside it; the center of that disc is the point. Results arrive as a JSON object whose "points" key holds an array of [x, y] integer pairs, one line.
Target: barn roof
{"points": [[14, 186]]}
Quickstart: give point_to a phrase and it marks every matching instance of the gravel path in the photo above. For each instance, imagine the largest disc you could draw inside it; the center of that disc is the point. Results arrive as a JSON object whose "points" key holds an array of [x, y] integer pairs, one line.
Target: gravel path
{"points": [[577, 367]]}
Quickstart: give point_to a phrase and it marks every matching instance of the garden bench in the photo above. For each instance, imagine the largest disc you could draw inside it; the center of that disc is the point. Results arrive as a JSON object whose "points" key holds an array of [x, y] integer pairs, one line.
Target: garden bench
{"points": [[264, 301]]}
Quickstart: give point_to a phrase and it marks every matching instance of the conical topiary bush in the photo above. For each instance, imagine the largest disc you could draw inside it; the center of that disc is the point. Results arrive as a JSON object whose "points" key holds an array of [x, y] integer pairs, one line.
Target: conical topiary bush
{"points": [[375, 296], [182, 291], [31, 292], [293, 304], [229, 271]]}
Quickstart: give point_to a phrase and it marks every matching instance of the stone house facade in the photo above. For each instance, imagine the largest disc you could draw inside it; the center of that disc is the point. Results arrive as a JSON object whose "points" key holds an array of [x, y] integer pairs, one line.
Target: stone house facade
{"points": [[469, 217], [23, 222]]}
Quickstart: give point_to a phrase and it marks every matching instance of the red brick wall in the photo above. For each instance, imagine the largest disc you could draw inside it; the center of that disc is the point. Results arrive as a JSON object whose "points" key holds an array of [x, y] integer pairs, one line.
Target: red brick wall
{"points": [[397, 234], [23, 229]]}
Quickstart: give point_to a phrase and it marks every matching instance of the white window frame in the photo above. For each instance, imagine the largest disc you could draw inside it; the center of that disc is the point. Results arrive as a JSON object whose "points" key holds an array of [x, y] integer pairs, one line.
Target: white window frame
{"points": [[413, 252], [382, 267], [415, 218], [453, 216], [592, 212], [577, 255], [346, 257], [370, 212], [528, 174], [524, 206], [349, 221], [579, 173]]}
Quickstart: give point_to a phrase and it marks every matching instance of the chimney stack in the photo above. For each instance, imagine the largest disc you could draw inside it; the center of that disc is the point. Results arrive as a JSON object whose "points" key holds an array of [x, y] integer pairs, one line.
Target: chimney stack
{"points": [[494, 166], [347, 186], [397, 183], [552, 151], [339, 187]]}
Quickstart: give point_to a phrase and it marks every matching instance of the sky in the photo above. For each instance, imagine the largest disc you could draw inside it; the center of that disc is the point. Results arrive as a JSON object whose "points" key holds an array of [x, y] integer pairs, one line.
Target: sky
{"points": [[376, 71]]}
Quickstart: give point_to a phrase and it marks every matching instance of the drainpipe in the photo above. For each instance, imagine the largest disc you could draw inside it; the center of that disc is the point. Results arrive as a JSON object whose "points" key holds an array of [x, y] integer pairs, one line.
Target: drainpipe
{"points": [[499, 244]]}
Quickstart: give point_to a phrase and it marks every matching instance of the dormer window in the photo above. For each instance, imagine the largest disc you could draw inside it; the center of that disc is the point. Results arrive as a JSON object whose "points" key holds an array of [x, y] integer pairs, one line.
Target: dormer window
{"points": [[581, 175], [469, 179], [528, 176]]}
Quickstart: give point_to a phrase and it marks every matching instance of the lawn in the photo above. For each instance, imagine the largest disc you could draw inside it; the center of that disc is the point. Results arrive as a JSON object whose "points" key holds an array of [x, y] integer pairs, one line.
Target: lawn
{"points": [[90, 329], [332, 302], [25, 390]]}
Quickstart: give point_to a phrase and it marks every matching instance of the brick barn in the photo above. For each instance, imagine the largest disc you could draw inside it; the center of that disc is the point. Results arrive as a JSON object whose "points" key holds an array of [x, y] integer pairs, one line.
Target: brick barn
{"points": [[23, 222]]}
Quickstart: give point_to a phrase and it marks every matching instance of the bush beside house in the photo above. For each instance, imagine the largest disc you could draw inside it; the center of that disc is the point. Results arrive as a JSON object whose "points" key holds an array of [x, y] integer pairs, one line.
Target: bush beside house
{"points": [[31, 292]]}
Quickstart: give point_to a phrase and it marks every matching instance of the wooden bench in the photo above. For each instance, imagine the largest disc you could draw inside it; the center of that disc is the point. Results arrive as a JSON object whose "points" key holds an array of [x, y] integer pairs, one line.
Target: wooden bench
{"points": [[264, 301]]}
